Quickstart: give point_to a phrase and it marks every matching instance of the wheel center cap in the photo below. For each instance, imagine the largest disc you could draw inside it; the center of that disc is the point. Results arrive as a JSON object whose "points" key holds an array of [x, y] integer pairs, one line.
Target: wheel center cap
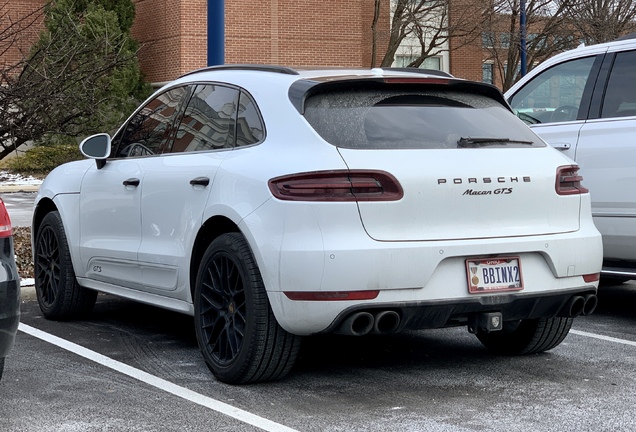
{"points": [[230, 308]]}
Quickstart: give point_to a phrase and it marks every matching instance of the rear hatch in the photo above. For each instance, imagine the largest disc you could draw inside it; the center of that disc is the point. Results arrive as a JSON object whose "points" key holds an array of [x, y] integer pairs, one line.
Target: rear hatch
{"points": [[467, 166]]}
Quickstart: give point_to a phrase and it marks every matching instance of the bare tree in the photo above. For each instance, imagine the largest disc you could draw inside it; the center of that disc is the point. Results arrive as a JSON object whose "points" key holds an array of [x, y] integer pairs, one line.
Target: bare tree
{"points": [[426, 24], [549, 30], [81, 76], [600, 21]]}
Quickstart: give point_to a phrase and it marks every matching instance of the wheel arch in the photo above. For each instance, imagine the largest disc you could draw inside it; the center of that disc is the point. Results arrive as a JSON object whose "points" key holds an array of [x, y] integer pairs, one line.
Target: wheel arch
{"points": [[211, 229], [44, 206]]}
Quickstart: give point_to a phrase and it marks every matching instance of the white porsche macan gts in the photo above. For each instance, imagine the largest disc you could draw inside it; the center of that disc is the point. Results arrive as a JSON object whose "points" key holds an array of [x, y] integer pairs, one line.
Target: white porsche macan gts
{"points": [[272, 203]]}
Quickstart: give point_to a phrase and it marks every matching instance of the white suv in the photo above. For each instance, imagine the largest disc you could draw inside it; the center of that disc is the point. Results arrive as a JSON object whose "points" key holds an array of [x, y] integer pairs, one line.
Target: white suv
{"points": [[271, 203], [583, 102]]}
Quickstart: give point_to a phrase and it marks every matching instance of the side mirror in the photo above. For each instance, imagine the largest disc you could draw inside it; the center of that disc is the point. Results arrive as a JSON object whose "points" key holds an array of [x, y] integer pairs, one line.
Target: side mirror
{"points": [[96, 147]]}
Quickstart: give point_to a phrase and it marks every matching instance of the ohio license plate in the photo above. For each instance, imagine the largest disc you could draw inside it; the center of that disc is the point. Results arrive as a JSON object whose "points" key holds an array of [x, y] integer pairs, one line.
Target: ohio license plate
{"points": [[494, 274]]}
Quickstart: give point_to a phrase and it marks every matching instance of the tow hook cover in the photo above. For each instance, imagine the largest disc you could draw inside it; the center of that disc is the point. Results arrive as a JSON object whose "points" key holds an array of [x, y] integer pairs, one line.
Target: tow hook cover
{"points": [[486, 322]]}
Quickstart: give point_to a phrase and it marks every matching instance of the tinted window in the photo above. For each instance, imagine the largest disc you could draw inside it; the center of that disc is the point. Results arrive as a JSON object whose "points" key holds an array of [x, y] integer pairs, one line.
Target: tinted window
{"points": [[208, 122], [249, 126], [149, 131], [555, 94], [620, 96], [399, 120]]}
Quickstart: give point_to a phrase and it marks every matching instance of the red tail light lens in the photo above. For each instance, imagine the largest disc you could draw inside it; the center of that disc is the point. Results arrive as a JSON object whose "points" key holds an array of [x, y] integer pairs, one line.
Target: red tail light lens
{"points": [[593, 277], [5, 221], [339, 185], [568, 181]]}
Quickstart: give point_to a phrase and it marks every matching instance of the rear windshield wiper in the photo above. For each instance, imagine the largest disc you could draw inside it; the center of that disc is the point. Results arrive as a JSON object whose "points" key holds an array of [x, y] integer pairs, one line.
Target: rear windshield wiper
{"points": [[481, 142]]}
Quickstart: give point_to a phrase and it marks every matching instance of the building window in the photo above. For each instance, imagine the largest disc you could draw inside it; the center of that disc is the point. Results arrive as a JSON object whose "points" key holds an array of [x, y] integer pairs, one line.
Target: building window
{"points": [[487, 73], [488, 39], [504, 40], [402, 60]]}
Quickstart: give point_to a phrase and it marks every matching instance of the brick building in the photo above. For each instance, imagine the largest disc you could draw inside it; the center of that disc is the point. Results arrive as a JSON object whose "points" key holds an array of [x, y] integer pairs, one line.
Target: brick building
{"points": [[287, 32], [173, 34]]}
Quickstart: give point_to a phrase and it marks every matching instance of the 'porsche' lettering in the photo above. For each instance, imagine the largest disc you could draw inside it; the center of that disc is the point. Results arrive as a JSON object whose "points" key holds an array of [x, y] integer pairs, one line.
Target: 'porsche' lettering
{"points": [[485, 180]]}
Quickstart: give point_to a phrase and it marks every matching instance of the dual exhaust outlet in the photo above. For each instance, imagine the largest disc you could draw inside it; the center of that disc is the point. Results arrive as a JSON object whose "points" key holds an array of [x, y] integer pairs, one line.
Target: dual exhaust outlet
{"points": [[362, 323], [579, 305]]}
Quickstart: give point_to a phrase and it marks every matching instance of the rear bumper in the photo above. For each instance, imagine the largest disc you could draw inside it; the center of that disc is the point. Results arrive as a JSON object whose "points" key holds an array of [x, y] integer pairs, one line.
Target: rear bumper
{"points": [[426, 281], [428, 286]]}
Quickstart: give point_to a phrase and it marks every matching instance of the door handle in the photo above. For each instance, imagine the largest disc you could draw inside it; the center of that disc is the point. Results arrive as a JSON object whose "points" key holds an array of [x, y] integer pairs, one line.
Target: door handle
{"points": [[134, 182], [200, 181], [561, 146]]}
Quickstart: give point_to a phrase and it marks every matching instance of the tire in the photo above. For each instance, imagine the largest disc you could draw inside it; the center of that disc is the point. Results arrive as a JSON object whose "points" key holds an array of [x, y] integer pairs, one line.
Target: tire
{"points": [[527, 336], [236, 330], [1, 367], [59, 295]]}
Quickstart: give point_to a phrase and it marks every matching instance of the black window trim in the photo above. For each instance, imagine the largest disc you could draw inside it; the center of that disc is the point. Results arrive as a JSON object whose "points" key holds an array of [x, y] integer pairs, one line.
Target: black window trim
{"points": [[191, 86], [602, 79], [179, 114]]}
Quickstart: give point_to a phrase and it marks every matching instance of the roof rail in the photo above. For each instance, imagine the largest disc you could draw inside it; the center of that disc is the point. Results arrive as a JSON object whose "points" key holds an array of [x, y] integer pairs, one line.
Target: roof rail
{"points": [[435, 72], [252, 67]]}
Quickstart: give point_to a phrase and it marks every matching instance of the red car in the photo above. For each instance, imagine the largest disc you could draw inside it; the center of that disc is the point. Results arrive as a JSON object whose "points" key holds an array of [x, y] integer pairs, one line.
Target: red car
{"points": [[9, 287]]}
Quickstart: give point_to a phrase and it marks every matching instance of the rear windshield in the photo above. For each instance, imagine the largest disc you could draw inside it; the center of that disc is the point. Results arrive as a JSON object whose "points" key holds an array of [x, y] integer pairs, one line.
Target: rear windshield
{"points": [[389, 119]]}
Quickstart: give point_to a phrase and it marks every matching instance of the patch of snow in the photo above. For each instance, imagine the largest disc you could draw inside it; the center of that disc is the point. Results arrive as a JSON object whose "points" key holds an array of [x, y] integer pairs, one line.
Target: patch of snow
{"points": [[10, 179], [27, 282]]}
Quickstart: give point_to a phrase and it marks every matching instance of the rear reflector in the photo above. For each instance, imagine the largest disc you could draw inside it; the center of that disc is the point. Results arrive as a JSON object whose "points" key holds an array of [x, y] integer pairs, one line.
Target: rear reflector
{"points": [[568, 181], [338, 185], [594, 277], [5, 221], [332, 295]]}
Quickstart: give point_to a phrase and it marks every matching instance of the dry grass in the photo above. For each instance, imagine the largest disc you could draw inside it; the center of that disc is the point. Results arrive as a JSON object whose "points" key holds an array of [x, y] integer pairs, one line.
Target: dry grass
{"points": [[22, 246]]}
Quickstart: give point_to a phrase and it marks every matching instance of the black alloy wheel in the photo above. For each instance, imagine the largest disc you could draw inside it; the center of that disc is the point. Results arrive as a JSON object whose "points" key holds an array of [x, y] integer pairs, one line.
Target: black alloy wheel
{"points": [[238, 335], [59, 295]]}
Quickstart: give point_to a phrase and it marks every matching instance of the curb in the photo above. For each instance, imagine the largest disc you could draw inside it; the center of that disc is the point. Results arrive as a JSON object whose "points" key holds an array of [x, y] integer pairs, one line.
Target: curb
{"points": [[19, 188]]}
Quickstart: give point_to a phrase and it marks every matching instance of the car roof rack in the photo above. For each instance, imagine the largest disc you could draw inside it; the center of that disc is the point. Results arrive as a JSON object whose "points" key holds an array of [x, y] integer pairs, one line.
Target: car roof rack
{"points": [[252, 67], [435, 72]]}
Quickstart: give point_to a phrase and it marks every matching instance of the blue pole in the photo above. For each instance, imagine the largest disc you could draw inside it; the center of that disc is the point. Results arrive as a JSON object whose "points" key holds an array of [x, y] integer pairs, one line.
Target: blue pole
{"points": [[522, 23], [216, 32]]}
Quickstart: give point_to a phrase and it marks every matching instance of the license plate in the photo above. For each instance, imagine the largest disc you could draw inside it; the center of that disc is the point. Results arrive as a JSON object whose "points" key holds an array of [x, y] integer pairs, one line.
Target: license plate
{"points": [[494, 275]]}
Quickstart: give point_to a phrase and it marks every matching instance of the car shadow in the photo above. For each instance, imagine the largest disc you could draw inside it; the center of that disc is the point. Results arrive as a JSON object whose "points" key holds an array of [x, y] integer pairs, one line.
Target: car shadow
{"points": [[159, 340], [618, 300]]}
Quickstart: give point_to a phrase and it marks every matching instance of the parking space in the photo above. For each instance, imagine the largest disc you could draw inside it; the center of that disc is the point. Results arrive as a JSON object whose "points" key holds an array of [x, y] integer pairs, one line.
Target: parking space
{"points": [[138, 368], [135, 367]]}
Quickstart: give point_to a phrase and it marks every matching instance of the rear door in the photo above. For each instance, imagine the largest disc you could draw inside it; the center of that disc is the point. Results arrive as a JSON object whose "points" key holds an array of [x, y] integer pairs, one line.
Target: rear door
{"points": [[178, 184], [606, 152]]}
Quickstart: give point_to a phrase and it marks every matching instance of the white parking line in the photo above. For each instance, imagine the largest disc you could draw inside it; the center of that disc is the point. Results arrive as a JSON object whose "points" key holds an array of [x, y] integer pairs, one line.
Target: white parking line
{"points": [[601, 337], [182, 392]]}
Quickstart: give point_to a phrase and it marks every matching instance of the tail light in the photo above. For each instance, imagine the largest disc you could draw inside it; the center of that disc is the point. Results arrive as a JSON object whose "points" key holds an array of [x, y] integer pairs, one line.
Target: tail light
{"points": [[5, 221], [338, 185], [568, 181]]}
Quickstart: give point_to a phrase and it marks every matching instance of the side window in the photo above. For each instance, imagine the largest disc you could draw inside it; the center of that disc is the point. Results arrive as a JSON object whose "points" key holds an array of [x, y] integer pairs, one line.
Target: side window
{"points": [[249, 126], [555, 94], [208, 122], [620, 95], [148, 132]]}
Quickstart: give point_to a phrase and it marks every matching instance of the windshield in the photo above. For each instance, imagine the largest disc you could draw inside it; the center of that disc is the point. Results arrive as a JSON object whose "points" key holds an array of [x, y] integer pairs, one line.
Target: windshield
{"points": [[420, 120]]}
